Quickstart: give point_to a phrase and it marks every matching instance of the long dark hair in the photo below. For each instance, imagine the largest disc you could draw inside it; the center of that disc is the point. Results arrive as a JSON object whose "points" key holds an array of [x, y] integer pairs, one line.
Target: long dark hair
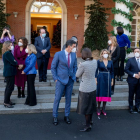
{"points": [[86, 54], [120, 30]]}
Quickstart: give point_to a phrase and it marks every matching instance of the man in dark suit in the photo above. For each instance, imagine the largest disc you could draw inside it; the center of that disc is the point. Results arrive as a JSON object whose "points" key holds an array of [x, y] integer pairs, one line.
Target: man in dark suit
{"points": [[43, 46], [64, 66], [133, 70]]}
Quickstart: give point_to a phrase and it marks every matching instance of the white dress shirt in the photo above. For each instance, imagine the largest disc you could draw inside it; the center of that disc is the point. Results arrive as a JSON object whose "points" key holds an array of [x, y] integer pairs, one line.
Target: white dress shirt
{"points": [[136, 61], [66, 53]]}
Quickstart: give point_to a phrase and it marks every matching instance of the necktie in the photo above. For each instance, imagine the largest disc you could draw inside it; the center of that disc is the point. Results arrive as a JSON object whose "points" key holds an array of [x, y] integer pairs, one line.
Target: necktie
{"points": [[43, 41], [69, 60], [138, 63]]}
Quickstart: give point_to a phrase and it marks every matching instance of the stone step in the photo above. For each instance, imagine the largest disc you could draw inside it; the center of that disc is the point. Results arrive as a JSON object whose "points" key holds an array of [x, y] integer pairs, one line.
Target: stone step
{"points": [[49, 98], [48, 107], [51, 89]]}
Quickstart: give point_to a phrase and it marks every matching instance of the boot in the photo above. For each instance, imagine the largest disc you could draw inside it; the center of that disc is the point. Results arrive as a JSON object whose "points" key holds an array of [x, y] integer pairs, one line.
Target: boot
{"points": [[19, 92], [23, 95]]}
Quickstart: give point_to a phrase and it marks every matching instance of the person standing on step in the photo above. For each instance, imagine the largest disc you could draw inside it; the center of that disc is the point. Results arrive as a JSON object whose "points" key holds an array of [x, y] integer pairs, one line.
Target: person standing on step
{"points": [[63, 67], [43, 45], [133, 70], [31, 72], [114, 50], [47, 33], [9, 72], [20, 56], [87, 90], [123, 42], [104, 79]]}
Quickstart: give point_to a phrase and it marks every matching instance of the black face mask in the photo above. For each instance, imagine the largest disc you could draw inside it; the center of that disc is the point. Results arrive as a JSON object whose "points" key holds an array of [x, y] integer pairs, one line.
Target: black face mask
{"points": [[6, 34], [120, 33]]}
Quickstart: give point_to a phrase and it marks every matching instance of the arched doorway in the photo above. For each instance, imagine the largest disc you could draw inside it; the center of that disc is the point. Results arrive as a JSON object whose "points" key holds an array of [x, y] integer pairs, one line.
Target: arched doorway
{"points": [[63, 21], [135, 25]]}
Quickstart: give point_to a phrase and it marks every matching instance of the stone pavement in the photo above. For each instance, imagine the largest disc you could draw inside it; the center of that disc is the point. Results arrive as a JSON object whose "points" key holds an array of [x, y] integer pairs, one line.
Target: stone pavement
{"points": [[117, 125]]}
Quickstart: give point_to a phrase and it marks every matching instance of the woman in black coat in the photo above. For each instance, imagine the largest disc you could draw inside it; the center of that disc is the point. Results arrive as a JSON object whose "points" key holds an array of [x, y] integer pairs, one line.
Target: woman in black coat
{"points": [[9, 72], [114, 50]]}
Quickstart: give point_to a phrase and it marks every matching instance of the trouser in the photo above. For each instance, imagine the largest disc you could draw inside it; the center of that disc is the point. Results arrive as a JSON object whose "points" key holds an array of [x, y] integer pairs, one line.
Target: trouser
{"points": [[9, 88], [42, 67], [58, 94], [31, 93], [115, 73], [134, 88], [121, 63]]}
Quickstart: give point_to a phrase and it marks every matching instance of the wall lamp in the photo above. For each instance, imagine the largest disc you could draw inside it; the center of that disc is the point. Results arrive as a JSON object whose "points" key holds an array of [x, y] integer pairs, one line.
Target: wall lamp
{"points": [[15, 14], [76, 16]]}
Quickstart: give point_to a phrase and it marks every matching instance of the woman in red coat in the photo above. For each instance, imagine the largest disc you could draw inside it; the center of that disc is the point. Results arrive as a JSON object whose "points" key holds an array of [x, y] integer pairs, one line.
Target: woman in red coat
{"points": [[20, 56]]}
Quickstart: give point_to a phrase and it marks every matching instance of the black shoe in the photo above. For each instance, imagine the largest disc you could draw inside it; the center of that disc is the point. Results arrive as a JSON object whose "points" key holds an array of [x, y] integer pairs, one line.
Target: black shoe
{"points": [[5, 80], [23, 94], [73, 94], [40, 80], [138, 110], [86, 129], [121, 78], [67, 120], [19, 92], [55, 121], [8, 105], [131, 111], [118, 79], [112, 92], [12, 103], [45, 80]]}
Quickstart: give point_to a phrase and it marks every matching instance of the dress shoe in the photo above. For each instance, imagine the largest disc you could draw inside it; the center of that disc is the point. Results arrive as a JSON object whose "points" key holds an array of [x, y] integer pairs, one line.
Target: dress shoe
{"points": [[40, 80], [55, 121], [73, 94], [8, 106], [131, 111], [118, 79], [67, 120], [86, 129], [44, 80], [121, 78], [12, 103], [23, 94]]}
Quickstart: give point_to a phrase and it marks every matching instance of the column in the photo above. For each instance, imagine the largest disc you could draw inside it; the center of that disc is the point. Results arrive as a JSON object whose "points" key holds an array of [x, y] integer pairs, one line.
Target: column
{"points": [[121, 18]]}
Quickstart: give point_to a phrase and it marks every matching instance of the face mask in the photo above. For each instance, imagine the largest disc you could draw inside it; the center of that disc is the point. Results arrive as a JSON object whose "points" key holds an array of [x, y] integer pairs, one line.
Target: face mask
{"points": [[43, 35], [109, 42], [20, 44], [137, 54], [26, 50], [12, 47], [74, 50], [105, 55]]}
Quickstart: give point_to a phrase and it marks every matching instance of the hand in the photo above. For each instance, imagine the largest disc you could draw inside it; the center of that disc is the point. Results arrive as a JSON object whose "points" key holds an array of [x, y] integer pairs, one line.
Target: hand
{"points": [[112, 83], [20, 67], [55, 81], [137, 76], [44, 51], [139, 73], [4, 31], [23, 72], [79, 64], [8, 31]]}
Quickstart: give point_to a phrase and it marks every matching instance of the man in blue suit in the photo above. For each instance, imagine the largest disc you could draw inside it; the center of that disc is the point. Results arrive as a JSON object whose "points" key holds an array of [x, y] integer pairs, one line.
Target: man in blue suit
{"points": [[43, 45], [133, 70], [64, 66]]}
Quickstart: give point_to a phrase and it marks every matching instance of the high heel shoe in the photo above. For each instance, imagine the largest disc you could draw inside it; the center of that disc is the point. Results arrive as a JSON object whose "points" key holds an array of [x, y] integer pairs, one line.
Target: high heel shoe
{"points": [[104, 113], [98, 113], [8, 106], [86, 129]]}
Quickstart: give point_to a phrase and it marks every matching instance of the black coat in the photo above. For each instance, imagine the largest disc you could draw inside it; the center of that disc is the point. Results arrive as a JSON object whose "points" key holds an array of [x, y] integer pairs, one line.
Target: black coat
{"points": [[131, 69], [9, 64], [115, 57], [39, 46]]}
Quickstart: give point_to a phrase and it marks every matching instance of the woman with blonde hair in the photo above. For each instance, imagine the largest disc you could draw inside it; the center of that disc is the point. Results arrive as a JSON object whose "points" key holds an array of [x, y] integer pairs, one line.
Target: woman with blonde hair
{"points": [[9, 72], [114, 50], [31, 72], [104, 80]]}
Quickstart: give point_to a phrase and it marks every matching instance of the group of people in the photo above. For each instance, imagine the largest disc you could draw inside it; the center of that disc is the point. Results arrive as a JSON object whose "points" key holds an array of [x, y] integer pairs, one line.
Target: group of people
{"points": [[97, 77]]}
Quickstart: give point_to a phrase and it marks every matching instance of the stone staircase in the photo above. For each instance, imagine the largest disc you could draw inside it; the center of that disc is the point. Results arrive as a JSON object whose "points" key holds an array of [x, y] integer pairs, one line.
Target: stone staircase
{"points": [[46, 94]]}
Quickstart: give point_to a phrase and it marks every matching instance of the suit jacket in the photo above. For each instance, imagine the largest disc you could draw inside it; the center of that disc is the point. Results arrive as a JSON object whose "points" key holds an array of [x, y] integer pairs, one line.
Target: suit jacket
{"points": [[60, 70], [87, 70], [131, 69], [39, 46], [9, 64], [115, 57]]}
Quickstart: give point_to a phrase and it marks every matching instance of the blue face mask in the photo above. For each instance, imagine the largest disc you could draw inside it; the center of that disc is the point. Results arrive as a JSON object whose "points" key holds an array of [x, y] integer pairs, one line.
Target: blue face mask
{"points": [[43, 35]]}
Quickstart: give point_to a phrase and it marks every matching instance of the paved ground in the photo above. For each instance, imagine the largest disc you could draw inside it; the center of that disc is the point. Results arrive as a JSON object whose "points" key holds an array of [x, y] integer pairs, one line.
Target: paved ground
{"points": [[118, 125]]}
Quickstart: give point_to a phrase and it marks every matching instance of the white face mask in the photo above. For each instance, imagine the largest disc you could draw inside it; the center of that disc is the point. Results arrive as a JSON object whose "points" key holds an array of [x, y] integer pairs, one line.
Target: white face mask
{"points": [[74, 50], [105, 55], [20, 44], [43, 35], [109, 42], [26, 50], [137, 54], [12, 47]]}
